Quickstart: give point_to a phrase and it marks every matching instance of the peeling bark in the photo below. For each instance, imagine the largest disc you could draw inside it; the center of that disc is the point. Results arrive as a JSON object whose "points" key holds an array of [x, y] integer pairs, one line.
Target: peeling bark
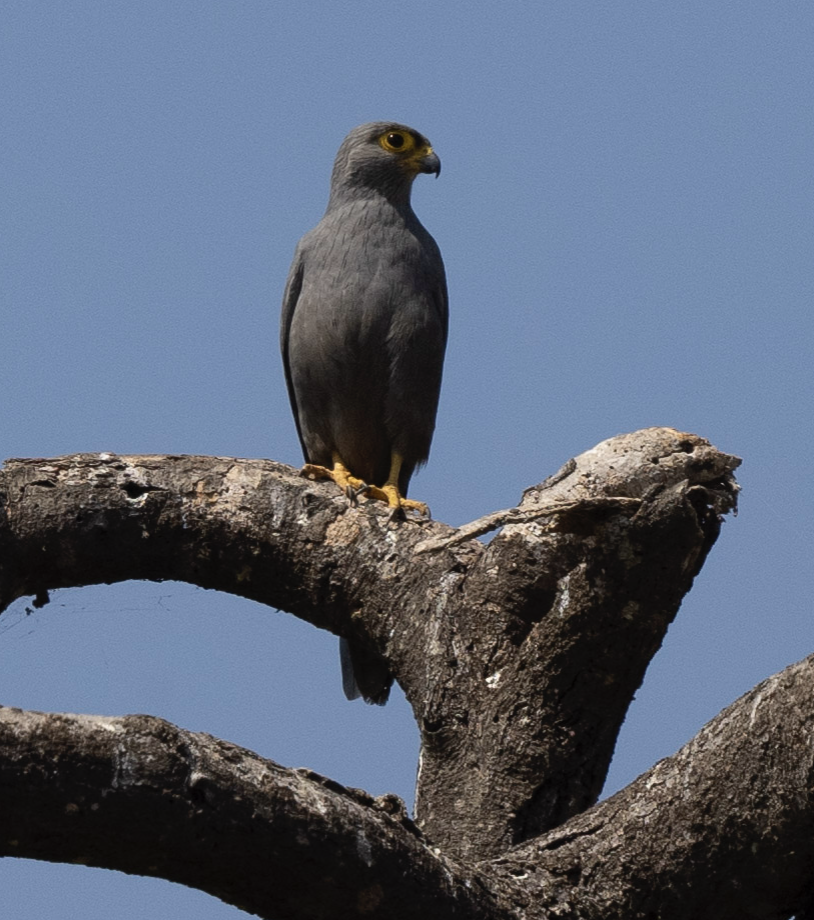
{"points": [[519, 658]]}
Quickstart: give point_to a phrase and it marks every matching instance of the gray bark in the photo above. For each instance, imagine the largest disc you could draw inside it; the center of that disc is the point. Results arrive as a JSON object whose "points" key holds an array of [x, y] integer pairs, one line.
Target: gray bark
{"points": [[519, 659]]}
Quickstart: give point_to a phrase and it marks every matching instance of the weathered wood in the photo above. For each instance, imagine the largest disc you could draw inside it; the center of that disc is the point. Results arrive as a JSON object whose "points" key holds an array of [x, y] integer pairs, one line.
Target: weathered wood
{"points": [[139, 795], [519, 658], [721, 829]]}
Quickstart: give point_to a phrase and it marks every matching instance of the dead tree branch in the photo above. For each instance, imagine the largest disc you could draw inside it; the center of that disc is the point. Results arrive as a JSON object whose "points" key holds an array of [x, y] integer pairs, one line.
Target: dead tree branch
{"points": [[723, 828], [519, 658], [139, 795]]}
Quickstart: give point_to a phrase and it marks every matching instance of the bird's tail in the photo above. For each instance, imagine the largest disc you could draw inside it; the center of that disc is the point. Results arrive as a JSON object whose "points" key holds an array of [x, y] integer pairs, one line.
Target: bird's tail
{"points": [[364, 673]]}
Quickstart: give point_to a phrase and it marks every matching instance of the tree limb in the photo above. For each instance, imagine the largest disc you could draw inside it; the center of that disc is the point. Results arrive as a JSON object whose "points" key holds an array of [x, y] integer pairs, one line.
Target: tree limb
{"points": [[541, 641], [254, 528], [139, 795], [519, 658], [722, 829]]}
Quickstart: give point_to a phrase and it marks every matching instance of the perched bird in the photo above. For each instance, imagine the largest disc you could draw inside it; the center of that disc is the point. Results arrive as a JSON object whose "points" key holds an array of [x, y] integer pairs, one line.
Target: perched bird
{"points": [[363, 334]]}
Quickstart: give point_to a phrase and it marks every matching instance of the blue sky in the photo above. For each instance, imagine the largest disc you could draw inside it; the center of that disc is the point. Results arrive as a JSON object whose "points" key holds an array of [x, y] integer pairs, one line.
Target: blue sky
{"points": [[626, 212]]}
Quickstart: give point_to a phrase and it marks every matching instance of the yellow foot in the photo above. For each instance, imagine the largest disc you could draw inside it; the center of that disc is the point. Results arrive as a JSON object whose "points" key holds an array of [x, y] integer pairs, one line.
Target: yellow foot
{"points": [[350, 485], [389, 493], [354, 487]]}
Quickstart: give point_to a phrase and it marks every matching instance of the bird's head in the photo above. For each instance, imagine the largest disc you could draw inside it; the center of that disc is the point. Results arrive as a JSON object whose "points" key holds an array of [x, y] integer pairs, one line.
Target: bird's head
{"points": [[383, 157]]}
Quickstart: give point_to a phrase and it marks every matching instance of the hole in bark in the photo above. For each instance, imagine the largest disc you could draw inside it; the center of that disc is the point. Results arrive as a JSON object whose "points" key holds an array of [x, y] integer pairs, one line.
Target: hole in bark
{"points": [[532, 611], [136, 490]]}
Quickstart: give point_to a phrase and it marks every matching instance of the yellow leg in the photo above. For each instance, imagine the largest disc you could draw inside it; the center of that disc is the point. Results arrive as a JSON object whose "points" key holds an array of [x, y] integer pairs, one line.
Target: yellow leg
{"points": [[389, 492], [340, 474], [353, 487]]}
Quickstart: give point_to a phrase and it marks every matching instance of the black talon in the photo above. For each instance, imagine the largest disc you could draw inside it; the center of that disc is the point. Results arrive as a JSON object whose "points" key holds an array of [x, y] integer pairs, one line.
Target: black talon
{"points": [[353, 494]]}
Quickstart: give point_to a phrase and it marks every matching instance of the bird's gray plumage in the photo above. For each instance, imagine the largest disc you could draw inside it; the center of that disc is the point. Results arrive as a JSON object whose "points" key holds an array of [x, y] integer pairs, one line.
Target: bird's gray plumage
{"points": [[364, 320]]}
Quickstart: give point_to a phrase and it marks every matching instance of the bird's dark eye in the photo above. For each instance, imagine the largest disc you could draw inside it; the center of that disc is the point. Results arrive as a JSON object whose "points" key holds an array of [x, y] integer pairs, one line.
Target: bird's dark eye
{"points": [[395, 140]]}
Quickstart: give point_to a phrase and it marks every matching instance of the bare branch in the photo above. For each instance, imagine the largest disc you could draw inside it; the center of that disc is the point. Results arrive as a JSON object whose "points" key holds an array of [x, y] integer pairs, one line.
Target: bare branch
{"points": [[497, 519], [519, 658], [254, 528], [540, 642], [139, 795], [722, 829]]}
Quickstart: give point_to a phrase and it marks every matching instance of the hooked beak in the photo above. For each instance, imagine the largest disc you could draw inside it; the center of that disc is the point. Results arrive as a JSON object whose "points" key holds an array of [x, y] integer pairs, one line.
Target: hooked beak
{"points": [[430, 164]]}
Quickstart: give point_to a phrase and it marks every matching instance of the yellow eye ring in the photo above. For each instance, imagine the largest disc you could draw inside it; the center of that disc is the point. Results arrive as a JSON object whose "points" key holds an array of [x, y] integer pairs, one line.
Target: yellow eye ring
{"points": [[396, 141]]}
